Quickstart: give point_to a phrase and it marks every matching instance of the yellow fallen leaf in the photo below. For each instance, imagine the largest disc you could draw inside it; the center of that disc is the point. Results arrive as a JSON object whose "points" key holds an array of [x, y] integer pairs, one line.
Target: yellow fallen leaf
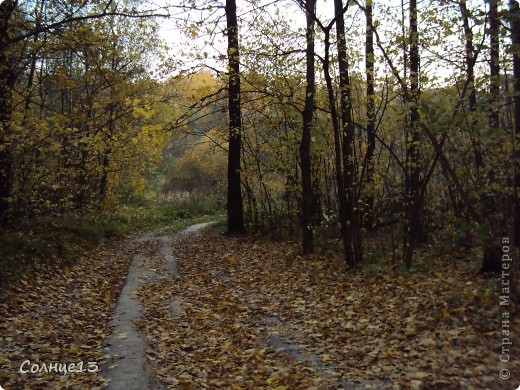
{"points": [[326, 358], [273, 380]]}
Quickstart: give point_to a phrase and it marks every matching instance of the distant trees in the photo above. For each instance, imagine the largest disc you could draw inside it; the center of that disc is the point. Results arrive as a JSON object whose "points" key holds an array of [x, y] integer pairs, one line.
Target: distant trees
{"points": [[339, 122], [410, 176]]}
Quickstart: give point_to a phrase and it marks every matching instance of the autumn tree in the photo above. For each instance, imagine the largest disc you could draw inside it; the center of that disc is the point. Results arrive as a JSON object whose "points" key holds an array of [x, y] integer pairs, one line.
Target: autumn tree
{"points": [[370, 114], [515, 38], [234, 197], [391, 140], [352, 238], [72, 104], [514, 8], [413, 226], [305, 144]]}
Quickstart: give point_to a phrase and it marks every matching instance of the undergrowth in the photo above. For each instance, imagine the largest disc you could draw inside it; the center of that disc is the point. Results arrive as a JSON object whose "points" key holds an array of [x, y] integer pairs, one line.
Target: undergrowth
{"points": [[40, 244]]}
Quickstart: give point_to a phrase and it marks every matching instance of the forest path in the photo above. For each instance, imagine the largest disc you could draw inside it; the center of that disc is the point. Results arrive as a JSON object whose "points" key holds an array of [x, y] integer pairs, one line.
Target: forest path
{"points": [[224, 322], [202, 310], [209, 311], [250, 313], [126, 366], [131, 355]]}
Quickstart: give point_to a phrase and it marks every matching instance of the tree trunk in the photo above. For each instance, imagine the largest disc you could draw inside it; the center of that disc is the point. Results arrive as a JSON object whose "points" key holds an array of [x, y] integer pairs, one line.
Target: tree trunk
{"points": [[515, 39], [370, 115], [491, 262], [414, 232], [337, 141], [7, 80], [235, 211], [353, 249], [305, 143], [470, 59], [494, 64]]}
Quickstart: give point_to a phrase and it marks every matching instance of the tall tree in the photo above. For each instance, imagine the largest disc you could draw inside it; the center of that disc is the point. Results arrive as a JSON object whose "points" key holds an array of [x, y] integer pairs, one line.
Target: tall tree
{"points": [[470, 60], [515, 38], [370, 112], [305, 143], [7, 81], [352, 234], [235, 212], [413, 224], [491, 259], [338, 161], [494, 64]]}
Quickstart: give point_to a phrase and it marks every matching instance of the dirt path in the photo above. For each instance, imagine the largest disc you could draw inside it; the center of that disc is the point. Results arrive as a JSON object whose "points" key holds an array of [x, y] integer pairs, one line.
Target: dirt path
{"points": [[207, 311], [126, 366], [255, 315]]}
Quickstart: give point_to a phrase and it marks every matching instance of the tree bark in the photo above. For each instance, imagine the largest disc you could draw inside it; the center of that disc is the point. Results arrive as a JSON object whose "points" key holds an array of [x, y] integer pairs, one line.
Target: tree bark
{"points": [[414, 232], [338, 161], [353, 247], [235, 211], [515, 39], [470, 59], [7, 80], [494, 64], [305, 143], [370, 114], [491, 262]]}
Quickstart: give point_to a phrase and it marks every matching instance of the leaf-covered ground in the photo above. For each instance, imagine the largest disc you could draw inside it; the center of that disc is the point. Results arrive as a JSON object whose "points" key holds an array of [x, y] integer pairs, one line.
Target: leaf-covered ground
{"points": [[62, 318], [245, 314], [254, 315]]}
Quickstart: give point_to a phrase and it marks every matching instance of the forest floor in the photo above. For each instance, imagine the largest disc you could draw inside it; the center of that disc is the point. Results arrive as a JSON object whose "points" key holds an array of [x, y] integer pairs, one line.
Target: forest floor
{"points": [[244, 313]]}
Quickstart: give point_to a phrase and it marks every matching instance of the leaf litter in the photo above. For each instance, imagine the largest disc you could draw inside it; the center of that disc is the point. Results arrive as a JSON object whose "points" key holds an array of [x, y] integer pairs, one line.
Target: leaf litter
{"points": [[245, 315], [62, 318], [257, 316]]}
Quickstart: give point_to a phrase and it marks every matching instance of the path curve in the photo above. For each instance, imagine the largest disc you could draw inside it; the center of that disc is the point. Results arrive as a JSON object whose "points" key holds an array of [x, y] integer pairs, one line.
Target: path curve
{"points": [[125, 348]]}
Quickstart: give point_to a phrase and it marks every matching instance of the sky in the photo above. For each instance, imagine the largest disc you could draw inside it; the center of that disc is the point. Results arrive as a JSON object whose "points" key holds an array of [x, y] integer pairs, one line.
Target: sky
{"points": [[210, 49]]}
